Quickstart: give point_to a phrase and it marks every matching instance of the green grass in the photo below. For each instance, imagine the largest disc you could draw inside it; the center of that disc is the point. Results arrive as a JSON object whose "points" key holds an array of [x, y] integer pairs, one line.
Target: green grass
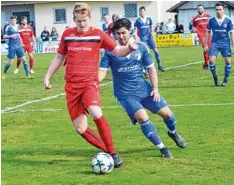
{"points": [[42, 147]]}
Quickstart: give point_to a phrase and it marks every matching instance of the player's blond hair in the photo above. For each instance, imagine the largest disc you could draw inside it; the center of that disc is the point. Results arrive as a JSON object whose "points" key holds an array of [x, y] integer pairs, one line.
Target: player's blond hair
{"points": [[81, 8]]}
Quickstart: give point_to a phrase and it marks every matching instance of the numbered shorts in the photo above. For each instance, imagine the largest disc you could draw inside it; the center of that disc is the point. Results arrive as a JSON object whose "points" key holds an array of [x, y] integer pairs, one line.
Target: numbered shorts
{"points": [[224, 49], [28, 48], [149, 42], [79, 99], [132, 105], [19, 52]]}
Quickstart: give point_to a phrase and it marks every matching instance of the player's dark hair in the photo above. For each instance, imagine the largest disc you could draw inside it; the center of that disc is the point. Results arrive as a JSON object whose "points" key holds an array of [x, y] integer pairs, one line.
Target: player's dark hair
{"points": [[24, 17], [124, 22], [105, 14], [142, 8], [219, 4], [13, 17], [200, 5]]}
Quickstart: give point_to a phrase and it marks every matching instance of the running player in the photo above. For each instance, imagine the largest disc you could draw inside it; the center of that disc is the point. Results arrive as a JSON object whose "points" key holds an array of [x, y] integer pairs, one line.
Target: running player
{"points": [[134, 93], [80, 45]]}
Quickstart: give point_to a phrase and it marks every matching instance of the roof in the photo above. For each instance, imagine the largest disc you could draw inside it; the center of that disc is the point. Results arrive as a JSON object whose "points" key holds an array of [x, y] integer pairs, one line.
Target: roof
{"points": [[13, 3], [174, 9]]}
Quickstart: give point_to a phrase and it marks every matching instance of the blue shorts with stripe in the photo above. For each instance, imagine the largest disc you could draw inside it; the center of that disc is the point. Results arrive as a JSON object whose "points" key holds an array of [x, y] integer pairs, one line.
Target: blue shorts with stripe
{"points": [[132, 105], [224, 49]]}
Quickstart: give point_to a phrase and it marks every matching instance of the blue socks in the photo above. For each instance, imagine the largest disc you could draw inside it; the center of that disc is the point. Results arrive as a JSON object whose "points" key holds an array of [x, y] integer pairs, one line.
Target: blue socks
{"points": [[213, 69], [157, 56], [150, 133], [26, 68], [7, 66], [227, 71], [171, 124]]}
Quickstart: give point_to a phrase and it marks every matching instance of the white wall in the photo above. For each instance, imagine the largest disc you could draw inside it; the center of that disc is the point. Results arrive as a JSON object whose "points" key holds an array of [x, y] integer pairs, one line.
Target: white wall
{"points": [[44, 12]]}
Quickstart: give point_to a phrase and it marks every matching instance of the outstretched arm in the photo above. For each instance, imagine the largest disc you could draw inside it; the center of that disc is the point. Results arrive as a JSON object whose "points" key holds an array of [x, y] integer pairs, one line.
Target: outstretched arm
{"points": [[101, 74]]}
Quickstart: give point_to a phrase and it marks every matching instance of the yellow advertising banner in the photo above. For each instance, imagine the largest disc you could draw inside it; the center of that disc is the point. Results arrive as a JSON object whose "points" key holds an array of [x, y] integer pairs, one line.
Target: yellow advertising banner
{"points": [[184, 39]]}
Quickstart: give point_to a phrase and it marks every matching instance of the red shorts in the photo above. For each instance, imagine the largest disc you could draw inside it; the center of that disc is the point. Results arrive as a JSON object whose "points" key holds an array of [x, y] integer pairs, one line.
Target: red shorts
{"points": [[28, 48], [202, 41], [79, 99]]}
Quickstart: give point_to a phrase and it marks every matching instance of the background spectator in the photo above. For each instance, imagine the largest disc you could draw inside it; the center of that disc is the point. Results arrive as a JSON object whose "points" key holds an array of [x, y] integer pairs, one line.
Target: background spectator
{"points": [[157, 28], [170, 26], [45, 34], [179, 27], [54, 34]]}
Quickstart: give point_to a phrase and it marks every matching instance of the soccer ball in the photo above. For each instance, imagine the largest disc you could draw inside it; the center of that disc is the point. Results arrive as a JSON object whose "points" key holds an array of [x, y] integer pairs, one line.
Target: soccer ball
{"points": [[102, 163]]}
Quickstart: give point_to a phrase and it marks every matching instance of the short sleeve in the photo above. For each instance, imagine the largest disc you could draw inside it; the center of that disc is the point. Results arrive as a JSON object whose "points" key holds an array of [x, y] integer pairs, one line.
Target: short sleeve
{"points": [[135, 24], [230, 25], [208, 27], [62, 45], [151, 22], [105, 62], [107, 42], [147, 59]]}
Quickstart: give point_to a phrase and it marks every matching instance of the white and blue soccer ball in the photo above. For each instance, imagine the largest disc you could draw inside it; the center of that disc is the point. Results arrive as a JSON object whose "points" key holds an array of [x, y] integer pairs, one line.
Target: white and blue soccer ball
{"points": [[102, 163]]}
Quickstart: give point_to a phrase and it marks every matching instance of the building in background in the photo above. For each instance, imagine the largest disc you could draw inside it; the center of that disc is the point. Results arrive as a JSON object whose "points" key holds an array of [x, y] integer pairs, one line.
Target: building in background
{"points": [[59, 14], [187, 9]]}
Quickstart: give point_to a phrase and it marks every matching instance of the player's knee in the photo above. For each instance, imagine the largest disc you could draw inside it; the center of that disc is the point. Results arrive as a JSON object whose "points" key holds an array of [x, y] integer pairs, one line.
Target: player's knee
{"points": [[80, 124], [165, 113], [141, 115], [95, 112]]}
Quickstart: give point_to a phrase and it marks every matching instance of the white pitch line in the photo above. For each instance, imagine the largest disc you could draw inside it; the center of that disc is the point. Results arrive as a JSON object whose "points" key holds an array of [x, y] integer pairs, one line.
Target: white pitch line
{"points": [[189, 64], [40, 100], [62, 94], [116, 107]]}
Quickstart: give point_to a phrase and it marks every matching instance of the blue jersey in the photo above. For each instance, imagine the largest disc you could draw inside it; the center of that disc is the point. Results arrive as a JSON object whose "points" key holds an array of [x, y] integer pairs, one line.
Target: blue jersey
{"points": [[128, 80], [105, 27], [220, 29], [11, 30], [144, 27]]}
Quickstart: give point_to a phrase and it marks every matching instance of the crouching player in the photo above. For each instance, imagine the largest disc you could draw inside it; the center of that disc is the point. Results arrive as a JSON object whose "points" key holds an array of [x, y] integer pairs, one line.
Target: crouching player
{"points": [[134, 93]]}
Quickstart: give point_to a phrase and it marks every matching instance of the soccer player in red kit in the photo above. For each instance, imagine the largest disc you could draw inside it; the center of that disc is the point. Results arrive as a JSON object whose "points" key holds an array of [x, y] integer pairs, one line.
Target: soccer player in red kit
{"points": [[81, 45], [27, 36], [199, 25]]}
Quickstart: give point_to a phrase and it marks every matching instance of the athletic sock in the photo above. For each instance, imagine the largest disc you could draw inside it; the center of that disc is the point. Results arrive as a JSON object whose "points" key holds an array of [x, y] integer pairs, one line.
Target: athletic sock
{"points": [[227, 70], [150, 133], [26, 68], [105, 133], [31, 63], [94, 139], [171, 124], [206, 58], [213, 69], [7, 66], [158, 58]]}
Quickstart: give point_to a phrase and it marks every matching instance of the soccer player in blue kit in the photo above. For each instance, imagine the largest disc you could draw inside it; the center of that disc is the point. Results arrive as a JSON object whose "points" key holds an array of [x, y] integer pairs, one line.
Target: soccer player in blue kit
{"points": [[14, 47], [221, 26], [144, 27], [134, 93]]}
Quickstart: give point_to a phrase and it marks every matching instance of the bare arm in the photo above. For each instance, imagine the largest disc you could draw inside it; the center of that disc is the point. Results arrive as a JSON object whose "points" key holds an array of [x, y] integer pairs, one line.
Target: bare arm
{"points": [[206, 40], [154, 82], [54, 66], [232, 39], [101, 74]]}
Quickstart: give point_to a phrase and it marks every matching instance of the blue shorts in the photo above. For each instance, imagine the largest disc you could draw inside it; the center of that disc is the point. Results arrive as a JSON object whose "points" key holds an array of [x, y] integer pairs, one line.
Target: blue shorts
{"points": [[18, 51], [225, 50], [132, 105], [149, 42]]}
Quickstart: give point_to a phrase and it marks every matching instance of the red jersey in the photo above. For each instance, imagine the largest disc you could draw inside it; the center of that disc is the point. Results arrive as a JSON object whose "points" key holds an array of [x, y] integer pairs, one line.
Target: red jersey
{"points": [[82, 52], [200, 22], [26, 34]]}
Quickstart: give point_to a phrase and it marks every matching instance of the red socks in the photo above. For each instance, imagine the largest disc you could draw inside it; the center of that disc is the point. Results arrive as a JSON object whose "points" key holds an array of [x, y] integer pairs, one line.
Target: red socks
{"points": [[31, 63], [206, 58], [105, 133], [91, 137]]}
